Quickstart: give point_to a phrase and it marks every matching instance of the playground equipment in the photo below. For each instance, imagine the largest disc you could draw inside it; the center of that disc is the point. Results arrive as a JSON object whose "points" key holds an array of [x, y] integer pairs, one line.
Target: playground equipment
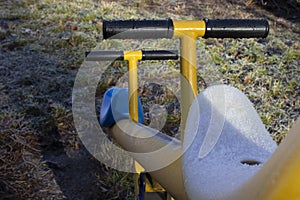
{"points": [[228, 152]]}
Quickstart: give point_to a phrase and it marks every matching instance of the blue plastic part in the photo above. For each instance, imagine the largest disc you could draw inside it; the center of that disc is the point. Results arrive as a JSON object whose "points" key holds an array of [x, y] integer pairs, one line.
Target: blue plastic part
{"points": [[142, 186], [115, 107]]}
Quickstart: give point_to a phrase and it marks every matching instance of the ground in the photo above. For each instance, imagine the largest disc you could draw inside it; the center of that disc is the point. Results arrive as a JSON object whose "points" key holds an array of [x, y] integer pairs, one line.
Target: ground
{"points": [[43, 44]]}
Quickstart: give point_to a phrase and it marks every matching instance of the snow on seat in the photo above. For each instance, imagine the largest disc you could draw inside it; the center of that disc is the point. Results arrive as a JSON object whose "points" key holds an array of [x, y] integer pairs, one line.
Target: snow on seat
{"points": [[226, 143]]}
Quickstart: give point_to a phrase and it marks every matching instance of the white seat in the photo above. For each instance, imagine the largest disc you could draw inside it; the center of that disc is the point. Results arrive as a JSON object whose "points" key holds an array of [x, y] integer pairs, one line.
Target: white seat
{"points": [[225, 143]]}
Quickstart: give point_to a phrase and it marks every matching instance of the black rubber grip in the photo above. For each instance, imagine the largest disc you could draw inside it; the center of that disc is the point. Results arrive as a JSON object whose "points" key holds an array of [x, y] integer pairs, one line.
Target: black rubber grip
{"points": [[138, 29], [160, 55], [236, 28], [104, 55], [119, 55]]}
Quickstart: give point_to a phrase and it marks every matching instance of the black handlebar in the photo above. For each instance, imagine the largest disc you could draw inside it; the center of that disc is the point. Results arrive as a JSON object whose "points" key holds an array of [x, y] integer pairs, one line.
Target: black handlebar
{"points": [[119, 55], [236, 28], [138, 29], [160, 55], [104, 55], [154, 29]]}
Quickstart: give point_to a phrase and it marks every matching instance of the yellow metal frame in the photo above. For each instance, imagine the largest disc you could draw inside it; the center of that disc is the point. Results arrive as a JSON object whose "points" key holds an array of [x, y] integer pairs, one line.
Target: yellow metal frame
{"points": [[133, 57], [188, 32], [278, 179], [170, 177]]}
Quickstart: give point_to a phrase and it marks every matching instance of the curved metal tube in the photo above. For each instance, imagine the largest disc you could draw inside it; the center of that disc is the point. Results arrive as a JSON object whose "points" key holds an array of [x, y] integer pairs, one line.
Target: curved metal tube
{"points": [[153, 150]]}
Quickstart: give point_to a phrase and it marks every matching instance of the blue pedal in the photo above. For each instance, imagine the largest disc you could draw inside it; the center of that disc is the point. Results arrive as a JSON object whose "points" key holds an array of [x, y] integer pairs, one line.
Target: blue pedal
{"points": [[115, 106]]}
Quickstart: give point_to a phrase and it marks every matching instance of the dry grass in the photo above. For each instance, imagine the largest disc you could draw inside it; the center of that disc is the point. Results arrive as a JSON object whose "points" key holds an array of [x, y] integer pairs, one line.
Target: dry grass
{"points": [[22, 174], [43, 44]]}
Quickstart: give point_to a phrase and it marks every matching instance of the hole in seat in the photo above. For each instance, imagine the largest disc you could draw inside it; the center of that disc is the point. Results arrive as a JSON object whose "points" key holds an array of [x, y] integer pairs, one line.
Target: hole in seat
{"points": [[250, 162]]}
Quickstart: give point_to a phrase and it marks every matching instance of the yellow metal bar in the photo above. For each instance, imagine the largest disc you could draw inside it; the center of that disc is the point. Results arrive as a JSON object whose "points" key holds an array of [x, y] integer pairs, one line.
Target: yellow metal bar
{"points": [[133, 57], [188, 79], [188, 63], [188, 31], [279, 178], [189, 28], [284, 165], [150, 140]]}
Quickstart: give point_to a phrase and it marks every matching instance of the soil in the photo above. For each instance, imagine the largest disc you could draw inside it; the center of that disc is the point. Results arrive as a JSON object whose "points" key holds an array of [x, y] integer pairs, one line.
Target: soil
{"points": [[35, 100]]}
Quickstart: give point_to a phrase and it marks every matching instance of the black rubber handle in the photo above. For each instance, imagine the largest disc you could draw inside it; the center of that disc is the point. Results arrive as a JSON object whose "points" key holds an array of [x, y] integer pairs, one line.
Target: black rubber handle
{"points": [[104, 55], [160, 55], [138, 29], [119, 55], [236, 28]]}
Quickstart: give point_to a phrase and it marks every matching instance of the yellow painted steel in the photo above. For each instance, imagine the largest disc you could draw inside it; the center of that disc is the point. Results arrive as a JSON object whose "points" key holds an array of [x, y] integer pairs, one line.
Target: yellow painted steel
{"points": [[284, 168], [279, 178], [188, 32], [133, 57], [150, 140], [189, 28], [154, 187]]}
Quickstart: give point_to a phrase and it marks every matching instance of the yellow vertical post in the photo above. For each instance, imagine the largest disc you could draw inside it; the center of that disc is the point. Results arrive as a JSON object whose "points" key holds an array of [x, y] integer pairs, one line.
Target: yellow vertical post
{"points": [[133, 57], [188, 31], [188, 77]]}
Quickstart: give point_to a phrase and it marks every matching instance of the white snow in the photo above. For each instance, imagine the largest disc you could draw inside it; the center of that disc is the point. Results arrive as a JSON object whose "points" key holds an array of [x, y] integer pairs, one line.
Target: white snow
{"points": [[223, 131]]}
